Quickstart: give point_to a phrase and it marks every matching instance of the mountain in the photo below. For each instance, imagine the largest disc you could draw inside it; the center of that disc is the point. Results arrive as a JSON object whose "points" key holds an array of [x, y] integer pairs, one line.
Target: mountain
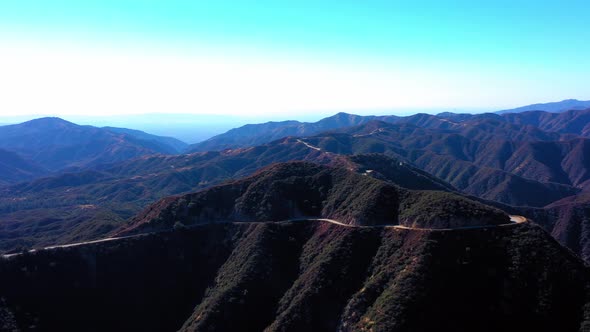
{"points": [[361, 233], [569, 122], [486, 165], [14, 169], [57, 144], [256, 134], [484, 156], [168, 143], [520, 126], [476, 159], [50, 210], [568, 220], [301, 276], [553, 107], [304, 190]]}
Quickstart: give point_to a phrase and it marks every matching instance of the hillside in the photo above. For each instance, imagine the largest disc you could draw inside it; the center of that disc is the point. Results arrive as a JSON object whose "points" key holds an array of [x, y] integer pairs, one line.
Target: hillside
{"points": [[57, 144], [14, 168], [568, 220], [171, 144], [304, 190], [488, 166], [301, 276]]}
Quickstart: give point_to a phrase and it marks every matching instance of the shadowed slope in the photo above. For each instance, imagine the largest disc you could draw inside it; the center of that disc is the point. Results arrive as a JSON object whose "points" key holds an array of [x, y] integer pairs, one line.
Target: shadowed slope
{"points": [[13, 168], [302, 276]]}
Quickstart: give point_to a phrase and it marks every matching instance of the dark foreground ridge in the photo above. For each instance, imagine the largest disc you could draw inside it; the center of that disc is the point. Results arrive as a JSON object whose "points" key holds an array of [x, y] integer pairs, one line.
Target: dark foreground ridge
{"points": [[300, 276], [300, 190]]}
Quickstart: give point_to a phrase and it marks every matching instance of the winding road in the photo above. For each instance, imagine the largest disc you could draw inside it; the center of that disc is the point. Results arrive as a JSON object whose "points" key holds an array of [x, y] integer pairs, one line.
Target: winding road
{"points": [[309, 145], [515, 219]]}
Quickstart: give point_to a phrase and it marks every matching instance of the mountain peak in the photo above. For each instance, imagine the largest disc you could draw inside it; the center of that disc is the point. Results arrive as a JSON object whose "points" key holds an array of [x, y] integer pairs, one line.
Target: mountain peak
{"points": [[339, 114], [49, 122]]}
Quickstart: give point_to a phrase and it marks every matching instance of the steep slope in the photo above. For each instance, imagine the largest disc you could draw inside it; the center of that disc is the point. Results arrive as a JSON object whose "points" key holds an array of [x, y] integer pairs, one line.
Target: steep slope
{"points": [[568, 220], [553, 107], [301, 276], [14, 169], [57, 144], [304, 190], [385, 168], [488, 167]]}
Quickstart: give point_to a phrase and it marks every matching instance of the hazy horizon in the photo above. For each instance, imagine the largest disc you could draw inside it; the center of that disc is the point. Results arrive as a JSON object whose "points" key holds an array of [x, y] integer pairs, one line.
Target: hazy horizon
{"points": [[289, 60], [193, 128]]}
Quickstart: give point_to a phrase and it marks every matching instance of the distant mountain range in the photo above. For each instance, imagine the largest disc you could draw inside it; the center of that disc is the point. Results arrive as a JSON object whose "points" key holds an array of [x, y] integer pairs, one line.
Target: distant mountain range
{"points": [[256, 134], [53, 145], [571, 122], [553, 107]]}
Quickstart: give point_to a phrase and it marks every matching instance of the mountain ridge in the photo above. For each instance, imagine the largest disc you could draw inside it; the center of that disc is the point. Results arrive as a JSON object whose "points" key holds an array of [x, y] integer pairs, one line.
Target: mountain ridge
{"points": [[553, 107], [58, 144], [549, 124], [293, 190]]}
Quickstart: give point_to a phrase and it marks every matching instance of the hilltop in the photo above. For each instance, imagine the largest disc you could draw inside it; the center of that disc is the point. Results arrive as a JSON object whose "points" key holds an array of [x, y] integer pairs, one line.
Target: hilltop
{"points": [[298, 190]]}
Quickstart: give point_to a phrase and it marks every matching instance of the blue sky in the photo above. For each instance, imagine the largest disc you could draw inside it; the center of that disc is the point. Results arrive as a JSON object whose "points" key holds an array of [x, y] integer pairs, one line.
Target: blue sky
{"points": [[289, 57]]}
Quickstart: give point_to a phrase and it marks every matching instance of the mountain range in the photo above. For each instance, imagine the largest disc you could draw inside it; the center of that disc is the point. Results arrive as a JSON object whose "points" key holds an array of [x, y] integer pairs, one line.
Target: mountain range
{"points": [[55, 145], [463, 222], [484, 156], [533, 123], [553, 107]]}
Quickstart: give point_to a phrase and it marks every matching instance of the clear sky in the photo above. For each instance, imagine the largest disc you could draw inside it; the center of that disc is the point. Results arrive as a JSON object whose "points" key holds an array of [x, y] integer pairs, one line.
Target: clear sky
{"points": [[75, 57]]}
